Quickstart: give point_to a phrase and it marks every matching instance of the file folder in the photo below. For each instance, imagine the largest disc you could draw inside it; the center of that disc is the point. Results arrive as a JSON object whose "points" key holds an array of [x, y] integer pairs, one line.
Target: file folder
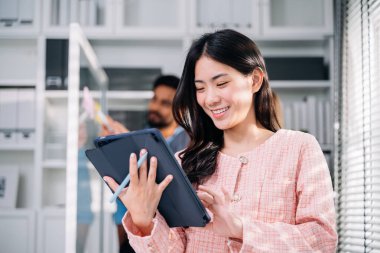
{"points": [[8, 115], [179, 204], [26, 116]]}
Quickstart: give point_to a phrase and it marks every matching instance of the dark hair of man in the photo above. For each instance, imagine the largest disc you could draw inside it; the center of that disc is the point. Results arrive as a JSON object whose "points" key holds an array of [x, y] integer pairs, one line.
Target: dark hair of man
{"points": [[166, 80], [199, 159]]}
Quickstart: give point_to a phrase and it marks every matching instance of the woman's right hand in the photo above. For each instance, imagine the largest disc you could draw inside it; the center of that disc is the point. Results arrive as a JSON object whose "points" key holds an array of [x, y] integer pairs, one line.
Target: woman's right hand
{"points": [[143, 194]]}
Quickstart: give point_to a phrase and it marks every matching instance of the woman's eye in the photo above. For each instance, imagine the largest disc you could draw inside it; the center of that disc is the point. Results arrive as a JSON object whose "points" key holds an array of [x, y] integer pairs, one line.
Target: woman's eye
{"points": [[221, 84], [199, 89]]}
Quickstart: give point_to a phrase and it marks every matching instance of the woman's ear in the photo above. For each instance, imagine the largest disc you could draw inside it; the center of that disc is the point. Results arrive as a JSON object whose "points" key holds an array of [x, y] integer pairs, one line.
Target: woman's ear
{"points": [[257, 77]]}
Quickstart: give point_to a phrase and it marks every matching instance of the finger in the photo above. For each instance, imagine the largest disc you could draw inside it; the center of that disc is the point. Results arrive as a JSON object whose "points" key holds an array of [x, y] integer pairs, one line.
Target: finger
{"points": [[118, 127], [109, 118], [104, 131], [227, 195], [205, 204], [206, 197], [124, 191], [152, 170], [133, 170], [216, 195], [162, 186], [143, 169], [111, 183]]}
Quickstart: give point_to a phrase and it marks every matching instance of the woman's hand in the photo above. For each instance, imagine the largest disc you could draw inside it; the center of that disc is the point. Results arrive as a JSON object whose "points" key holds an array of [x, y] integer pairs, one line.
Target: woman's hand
{"points": [[225, 222], [143, 194]]}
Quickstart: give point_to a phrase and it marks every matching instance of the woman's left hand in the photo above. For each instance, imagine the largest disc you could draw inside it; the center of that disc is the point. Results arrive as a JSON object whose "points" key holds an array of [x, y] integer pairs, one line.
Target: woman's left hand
{"points": [[225, 222]]}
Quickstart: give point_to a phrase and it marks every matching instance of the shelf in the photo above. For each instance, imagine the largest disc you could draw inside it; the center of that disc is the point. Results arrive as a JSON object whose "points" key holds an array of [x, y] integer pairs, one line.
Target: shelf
{"points": [[61, 165], [116, 100], [326, 147], [16, 212], [17, 147], [62, 94], [300, 84], [54, 210], [56, 94], [18, 33], [56, 164], [17, 83]]}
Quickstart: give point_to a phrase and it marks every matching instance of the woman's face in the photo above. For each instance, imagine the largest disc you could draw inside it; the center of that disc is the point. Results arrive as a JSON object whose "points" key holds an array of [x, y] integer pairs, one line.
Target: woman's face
{"points": [[224, 93]]}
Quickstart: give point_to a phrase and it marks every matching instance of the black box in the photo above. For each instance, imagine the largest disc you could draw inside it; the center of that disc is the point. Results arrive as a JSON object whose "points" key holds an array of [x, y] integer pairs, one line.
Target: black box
{"points": [[296, 68], [57, 58]]}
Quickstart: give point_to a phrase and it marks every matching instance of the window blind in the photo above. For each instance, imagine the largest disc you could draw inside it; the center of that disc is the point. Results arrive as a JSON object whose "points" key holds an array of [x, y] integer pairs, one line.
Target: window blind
{"points": [[357, 156]]}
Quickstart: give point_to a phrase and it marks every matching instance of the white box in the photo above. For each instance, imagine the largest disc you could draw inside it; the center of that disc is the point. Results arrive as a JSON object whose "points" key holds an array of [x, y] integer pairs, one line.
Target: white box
{"points": [[23, 138], [26, 11], [9, 176], [8, 115], [26, 115], [8, 137], [9, 10]]}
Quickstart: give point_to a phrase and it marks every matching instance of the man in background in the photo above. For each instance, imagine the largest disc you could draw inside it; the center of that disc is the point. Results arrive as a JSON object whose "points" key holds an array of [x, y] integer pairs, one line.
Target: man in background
{"points": [[159, 116]]}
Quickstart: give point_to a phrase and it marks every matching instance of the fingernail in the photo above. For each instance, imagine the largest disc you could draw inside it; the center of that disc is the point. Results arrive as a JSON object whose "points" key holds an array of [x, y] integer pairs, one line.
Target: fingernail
{"points": [[142, 151], [105, 179], [133, 155]]}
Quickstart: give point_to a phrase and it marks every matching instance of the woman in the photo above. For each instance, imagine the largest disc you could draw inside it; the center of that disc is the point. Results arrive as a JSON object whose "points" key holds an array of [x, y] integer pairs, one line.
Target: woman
{"points": [[267, 189]]}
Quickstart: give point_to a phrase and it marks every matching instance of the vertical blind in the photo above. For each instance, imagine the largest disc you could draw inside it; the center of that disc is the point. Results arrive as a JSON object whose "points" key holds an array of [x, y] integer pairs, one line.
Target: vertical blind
{"points": [[357, 96]]}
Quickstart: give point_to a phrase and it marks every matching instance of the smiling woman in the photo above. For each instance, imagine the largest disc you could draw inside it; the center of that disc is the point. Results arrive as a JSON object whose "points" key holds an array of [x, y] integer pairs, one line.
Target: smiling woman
{"points": [[225, 94], [267, 189]]}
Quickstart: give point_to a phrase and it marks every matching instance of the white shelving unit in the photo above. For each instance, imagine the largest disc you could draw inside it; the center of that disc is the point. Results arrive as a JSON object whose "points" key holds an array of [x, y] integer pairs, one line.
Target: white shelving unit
{"points": [[133, 34], [94, 15], [20, 19], [289, 18], [18, 230]]}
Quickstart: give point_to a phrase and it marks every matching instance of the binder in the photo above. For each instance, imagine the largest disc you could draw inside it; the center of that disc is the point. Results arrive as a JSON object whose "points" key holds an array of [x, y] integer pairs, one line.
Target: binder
{"points": [[26, 11], [9, 11], [8, 116], [311, 104], [26, 116], [64, 11], [288, 116], [92, 7], [179, 204], [83, 12], [328, 125], [321, 122], [241, 11]]}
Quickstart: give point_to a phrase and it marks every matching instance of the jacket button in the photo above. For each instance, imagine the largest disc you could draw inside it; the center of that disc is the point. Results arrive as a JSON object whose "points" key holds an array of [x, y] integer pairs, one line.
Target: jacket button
{"points": [[243, 160]]}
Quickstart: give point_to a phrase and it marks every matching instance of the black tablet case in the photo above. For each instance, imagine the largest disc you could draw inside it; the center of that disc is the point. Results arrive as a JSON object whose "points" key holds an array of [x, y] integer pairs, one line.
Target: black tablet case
{"points": [[179, 204]]}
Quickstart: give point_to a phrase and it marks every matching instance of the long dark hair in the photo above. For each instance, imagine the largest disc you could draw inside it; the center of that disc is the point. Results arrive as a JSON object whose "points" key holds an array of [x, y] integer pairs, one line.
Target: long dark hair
{"points": [[234, 49]]}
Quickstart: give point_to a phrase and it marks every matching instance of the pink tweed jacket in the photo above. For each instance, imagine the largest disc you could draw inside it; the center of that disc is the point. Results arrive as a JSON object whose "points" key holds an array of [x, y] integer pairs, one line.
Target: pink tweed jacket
{"points": [[283, 193]]}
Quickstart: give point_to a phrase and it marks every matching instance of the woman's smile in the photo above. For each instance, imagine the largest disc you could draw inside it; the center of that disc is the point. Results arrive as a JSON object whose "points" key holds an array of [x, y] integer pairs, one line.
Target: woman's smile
{"points": [[219, 113]]}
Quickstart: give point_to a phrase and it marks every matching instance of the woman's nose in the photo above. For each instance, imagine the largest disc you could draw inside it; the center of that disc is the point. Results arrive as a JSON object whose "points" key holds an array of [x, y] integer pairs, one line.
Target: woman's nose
{"points": [[212, 97]]}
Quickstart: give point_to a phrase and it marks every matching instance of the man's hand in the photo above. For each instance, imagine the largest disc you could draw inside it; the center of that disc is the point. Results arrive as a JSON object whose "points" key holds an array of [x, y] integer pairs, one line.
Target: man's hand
{"points": [[116, 126]]}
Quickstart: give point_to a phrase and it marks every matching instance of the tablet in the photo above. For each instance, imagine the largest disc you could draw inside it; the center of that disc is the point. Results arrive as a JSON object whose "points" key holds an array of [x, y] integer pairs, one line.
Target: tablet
{"points": [[179, 204]]}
